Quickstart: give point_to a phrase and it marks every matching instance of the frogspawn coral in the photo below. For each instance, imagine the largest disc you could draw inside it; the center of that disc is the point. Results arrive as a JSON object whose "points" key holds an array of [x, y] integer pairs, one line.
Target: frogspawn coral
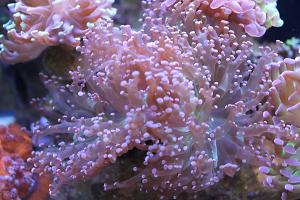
{"points": [[187, 91], [285, 90], [38, 24], [255, 16], [193, 102], [282, 171]]}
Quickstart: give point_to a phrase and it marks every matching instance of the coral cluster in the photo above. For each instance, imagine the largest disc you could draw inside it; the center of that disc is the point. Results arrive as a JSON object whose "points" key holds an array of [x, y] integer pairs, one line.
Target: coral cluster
{"points": [[193, 102], [17, 180], [38, 24], [283, 169], [188, 91], [285, 90], [15, 146], [255, 16]]}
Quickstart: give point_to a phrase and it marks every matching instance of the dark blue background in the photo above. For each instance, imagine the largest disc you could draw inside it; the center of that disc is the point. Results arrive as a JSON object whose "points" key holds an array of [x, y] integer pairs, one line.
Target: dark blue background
{"points": [[290, 13]]}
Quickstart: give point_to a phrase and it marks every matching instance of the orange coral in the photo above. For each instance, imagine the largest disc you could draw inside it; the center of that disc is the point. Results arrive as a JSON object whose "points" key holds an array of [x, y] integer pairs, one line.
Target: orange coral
{"points": [[15, 141], [42, 188], [15, 145], [16, 179]]}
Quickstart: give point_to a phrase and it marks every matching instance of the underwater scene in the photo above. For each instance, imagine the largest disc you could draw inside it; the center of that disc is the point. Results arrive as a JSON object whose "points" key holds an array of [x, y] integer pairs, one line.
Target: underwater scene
{"points": [[149, 99]]}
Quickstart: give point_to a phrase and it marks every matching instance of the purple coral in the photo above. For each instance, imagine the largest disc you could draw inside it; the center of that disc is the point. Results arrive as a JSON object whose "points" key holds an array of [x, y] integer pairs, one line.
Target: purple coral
{"points": [[187, 90], [193, 102], [254, 16]]}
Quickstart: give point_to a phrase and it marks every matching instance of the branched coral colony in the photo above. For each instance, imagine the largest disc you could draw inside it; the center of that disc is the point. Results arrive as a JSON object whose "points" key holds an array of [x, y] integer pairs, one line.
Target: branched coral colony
{"points": [[188, 89]]}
